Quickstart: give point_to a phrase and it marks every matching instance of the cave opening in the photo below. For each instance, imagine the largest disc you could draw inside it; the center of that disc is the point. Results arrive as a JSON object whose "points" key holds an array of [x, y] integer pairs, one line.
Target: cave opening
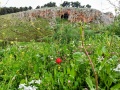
{"points": [[65, 16]]}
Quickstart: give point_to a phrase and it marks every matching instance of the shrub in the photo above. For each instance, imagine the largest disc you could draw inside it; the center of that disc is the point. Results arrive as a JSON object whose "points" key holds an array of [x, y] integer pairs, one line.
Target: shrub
{"points": [[66, 33], [115, 27]]}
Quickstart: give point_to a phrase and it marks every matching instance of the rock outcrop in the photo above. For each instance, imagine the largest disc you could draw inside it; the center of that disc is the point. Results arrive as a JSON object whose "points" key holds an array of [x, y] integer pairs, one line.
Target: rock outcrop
{"points": [[72, 14]]}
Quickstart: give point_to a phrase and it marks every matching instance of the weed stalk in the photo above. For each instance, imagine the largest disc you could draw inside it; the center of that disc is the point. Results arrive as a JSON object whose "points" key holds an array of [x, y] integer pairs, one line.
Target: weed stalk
{"points": [[87, 54]]}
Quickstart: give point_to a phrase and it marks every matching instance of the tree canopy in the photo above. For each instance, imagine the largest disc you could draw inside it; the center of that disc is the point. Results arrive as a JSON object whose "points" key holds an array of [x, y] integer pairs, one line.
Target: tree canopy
{"points": [[65, 4], [8, 10], [50, 4], [76, 4]]}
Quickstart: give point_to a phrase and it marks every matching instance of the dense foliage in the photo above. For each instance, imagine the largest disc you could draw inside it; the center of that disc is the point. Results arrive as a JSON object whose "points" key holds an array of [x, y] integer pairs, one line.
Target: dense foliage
{"points": [[76, 4], [8, 10], [50, 4]]}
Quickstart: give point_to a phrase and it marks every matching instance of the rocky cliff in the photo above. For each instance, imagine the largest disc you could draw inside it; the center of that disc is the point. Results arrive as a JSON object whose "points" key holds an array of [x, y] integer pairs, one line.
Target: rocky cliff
{"points": [[71, 14]]}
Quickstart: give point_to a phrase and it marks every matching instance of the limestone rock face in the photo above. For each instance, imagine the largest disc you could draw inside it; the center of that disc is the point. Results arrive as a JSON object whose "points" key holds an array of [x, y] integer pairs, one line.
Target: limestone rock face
{"points": [[72, 14], [107, 18]]}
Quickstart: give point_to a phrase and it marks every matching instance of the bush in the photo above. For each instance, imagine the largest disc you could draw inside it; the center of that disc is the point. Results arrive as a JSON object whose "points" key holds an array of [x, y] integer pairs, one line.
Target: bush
{"points": [[115, 27], [66, 34]]}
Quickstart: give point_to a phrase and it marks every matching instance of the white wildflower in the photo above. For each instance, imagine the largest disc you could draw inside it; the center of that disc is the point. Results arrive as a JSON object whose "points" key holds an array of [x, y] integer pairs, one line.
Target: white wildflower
{"points": [[117, 69], [35, 81], [69, 81], [21, 86], [30, 88], [37, 55], [100, 58], [24, 87]]}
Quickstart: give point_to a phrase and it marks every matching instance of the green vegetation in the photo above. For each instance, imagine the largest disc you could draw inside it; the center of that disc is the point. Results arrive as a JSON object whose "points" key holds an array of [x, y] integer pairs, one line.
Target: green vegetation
{"points": [[28, 52], [8, 10]]}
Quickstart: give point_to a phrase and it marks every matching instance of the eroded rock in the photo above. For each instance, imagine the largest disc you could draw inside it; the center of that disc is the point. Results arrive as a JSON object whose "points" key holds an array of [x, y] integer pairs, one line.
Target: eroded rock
{"points": [[72, 14]]}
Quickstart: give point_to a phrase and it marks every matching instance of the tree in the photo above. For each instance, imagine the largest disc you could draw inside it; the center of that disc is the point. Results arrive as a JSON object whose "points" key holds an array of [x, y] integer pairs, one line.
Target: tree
{"points": [[76, 4], [10, 10], [21, 9], [50, 4], [3, 11], [15, 9], [38, 7], [29, 7], [25, 8], [65, 4], [82, 6], [88, 6]]}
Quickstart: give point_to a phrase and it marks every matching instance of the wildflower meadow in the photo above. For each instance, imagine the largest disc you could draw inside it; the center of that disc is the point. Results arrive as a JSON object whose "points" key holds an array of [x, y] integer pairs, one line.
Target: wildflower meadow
{"points": [[35, 55]]}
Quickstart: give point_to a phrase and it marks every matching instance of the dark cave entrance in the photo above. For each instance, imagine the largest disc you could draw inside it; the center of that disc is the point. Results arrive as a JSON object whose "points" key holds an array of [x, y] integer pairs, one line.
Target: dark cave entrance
{"points": [[65, 16]]}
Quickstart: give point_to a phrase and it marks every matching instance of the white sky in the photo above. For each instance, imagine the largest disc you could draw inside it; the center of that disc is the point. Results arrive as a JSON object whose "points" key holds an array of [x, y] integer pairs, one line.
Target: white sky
{"points": [[102, 5]]}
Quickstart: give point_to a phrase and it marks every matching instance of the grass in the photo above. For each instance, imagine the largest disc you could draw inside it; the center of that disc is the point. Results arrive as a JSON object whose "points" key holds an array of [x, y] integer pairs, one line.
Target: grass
{"points": [[29, 51], [23, 30]]}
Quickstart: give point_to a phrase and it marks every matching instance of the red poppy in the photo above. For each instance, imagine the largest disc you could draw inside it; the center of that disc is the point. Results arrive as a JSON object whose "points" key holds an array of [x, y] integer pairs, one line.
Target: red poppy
{"points": [[58, 60]]}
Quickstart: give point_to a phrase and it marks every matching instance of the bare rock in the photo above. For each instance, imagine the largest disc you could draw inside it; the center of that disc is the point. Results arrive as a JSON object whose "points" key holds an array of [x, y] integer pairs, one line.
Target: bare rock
{"points": [[86, 15]]}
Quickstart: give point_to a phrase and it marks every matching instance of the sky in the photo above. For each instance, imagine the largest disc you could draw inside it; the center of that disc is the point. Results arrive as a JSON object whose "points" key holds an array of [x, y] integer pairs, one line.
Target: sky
{"points": [[102, 5]]}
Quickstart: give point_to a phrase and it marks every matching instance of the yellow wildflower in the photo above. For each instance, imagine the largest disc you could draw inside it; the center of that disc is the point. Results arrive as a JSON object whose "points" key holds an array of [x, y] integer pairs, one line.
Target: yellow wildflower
{"points": [[38, 28], [32, 23], [59, 67], [3, 33], [23, 53], [11, 56], [4, 25], [15, 38], [11, 42]]}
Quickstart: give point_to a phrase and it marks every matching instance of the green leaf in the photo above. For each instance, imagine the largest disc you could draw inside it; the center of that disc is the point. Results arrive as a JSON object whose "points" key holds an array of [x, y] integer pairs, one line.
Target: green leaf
{"points": [[37, 75], [68, 70], [116, 87], [104, 49], [76, 83], [72, 73], [89, 82], [61, 80], [79, 56], [102, 65], [55, 73], [22, 81], [36, 68]]}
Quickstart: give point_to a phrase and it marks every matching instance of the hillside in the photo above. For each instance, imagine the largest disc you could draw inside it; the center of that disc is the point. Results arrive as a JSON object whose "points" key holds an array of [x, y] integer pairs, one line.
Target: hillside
{"points": [[35, 24]]}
